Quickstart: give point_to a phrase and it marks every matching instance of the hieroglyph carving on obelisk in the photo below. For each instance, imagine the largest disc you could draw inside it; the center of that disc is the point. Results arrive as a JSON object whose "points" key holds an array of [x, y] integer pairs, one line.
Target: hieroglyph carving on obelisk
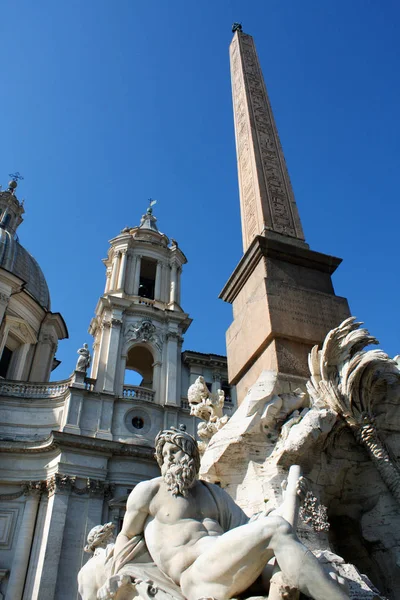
{"points": [[266, 196]]}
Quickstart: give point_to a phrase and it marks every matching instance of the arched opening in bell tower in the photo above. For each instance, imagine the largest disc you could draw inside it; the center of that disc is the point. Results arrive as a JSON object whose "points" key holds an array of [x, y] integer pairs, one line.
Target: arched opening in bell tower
{"points": [[147, 279], [139, 367]]}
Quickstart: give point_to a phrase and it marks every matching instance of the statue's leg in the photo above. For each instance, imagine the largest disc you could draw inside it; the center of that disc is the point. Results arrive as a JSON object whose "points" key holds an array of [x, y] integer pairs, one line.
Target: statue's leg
{"points": [[233, 562]]}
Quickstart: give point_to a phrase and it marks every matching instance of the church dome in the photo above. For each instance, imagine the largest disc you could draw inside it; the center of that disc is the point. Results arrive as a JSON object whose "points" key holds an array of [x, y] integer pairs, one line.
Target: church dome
{"points": [[17, 260]]}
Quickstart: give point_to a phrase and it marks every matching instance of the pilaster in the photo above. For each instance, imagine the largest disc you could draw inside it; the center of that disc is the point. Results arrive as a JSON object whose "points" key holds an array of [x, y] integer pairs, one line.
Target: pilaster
{"points": [[157, 289], [173, 283], [59, 488], [122, 269], [15, 587], [172, 368], [136, 279], [113, 353], [114, 272]]}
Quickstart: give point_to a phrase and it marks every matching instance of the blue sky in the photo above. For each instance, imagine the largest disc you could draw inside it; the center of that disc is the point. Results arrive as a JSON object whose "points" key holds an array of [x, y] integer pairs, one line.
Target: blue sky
{"points": [[105, 104]]}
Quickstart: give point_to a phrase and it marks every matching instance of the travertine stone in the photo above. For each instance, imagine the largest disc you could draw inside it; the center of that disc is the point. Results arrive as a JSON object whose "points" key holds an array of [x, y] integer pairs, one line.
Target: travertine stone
{"points": [[228, 550], [266, 195], [283, 303]]}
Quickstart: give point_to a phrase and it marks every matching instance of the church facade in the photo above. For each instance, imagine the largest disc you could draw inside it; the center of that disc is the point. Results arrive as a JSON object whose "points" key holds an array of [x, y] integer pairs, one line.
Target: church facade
{"points": [[72, 450]]}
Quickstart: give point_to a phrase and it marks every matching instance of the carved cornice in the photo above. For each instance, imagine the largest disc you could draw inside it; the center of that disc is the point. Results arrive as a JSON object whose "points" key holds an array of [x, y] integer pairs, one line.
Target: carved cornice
{"points": [[116, 322], [172, 335], [60, 440], [60, 483], [66, 484], [12, 496], [34, 488], [28, 488], [95, 488]]}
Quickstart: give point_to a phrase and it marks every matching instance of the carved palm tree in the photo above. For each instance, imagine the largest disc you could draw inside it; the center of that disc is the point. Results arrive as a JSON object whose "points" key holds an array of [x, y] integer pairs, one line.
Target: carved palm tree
{"points": [[351, 380]]}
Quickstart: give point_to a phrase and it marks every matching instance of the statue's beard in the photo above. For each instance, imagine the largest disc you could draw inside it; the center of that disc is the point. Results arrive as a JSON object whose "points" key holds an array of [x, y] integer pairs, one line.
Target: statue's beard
{"points": [[180, 476]]}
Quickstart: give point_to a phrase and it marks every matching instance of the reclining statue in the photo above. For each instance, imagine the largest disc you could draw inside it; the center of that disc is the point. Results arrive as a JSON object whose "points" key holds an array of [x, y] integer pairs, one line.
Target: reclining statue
{"points": [[93, 574], [183, 538]]}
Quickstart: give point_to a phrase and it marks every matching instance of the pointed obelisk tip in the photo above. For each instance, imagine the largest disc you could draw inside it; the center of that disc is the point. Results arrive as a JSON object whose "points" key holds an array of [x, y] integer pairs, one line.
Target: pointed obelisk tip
{"points": [[237, 27]]}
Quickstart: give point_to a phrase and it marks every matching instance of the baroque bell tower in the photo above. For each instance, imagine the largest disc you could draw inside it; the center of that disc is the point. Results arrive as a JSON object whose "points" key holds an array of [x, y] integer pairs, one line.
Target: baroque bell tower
{"points": [[281, 291], [139, 323]]}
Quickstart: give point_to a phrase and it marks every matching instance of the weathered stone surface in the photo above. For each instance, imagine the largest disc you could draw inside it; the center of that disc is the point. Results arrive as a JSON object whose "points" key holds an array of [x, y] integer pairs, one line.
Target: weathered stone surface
{"points": [[266, 195], [278, 317]]}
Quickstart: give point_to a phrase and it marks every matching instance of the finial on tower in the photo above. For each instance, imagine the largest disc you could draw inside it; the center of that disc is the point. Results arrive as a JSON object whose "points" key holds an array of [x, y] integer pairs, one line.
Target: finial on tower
{"points": [[148, 220], [237, 27], [151, 204], [15, 177]]}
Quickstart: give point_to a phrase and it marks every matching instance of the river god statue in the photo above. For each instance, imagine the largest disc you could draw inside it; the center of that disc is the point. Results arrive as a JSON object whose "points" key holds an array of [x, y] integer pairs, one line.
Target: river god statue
{"points": [[185, 538]]}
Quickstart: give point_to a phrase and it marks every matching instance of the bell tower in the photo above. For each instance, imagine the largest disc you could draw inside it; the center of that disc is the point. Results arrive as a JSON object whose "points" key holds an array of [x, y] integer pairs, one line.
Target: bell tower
{"points": [[139, 323]]}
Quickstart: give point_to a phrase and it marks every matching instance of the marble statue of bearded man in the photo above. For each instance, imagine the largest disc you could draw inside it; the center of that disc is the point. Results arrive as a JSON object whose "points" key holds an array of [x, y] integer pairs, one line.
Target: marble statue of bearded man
{"points": [[185, 538]]}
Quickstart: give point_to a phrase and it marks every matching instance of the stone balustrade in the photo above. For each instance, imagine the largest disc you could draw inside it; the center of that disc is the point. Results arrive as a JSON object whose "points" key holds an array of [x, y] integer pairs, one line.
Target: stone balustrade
{"points": [[33, 390], [141, 300], [89, 384], [137, 392]]}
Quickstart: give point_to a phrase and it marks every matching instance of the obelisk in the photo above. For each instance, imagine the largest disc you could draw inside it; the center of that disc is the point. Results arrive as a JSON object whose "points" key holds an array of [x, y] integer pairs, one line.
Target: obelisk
{"points": [[281, 291]]}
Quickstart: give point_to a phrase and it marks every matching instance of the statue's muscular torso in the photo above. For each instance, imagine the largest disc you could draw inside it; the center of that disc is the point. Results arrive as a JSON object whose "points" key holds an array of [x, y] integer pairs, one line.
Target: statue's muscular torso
{"points": [[177, 529]]}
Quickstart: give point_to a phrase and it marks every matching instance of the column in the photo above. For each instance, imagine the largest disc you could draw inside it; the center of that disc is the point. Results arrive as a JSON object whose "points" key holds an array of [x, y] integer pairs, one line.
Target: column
{"points": [[127, 282], [103, 348], [120, 379], [43, 358], [59, 488], [114, 271], [20, 363], [157, 289], [156, 381], [19, 568], [4, 336], [130, 273], [96, 356], [216, 384], [136, 279], [108, 279], [172, 292], [172, 370], [112, 355], [178, 285], [165, 282], [122, 269], [4, 298]]}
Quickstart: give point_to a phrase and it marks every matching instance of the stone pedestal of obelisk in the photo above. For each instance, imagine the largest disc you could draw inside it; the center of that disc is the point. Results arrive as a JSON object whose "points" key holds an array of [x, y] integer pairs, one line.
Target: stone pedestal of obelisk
{"points": [[281, 291]]}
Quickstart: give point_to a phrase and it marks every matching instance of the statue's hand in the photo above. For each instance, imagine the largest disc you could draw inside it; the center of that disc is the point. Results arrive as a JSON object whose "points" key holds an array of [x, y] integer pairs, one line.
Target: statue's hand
{"points": [[112, 585], [302, 488]]}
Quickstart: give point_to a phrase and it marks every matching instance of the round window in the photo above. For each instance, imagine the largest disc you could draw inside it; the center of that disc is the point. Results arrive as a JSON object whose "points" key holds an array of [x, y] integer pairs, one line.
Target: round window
{"points": [[138, 422]]}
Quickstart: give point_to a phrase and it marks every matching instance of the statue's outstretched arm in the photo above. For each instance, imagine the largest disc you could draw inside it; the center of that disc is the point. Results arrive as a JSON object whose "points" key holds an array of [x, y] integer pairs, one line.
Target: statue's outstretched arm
{"points": [[137, 511]]}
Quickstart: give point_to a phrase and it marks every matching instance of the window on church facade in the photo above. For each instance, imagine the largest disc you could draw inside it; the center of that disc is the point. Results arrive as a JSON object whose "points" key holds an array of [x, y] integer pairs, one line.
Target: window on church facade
{"points": [[226, 388], [5, 361]]}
